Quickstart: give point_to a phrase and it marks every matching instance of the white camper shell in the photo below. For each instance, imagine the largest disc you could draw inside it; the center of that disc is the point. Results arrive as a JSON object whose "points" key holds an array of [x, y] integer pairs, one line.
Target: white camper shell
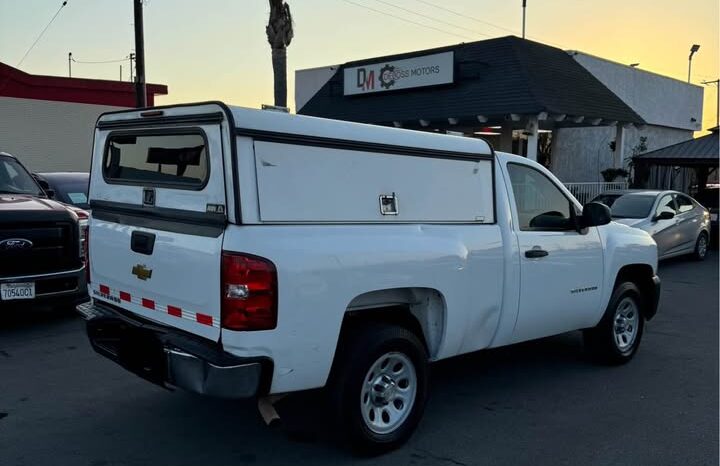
{"points": [[341, 174]]}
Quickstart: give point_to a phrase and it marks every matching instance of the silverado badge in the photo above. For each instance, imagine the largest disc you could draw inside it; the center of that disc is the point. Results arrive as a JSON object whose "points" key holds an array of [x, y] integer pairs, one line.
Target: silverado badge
{"points": [[142, 272]]}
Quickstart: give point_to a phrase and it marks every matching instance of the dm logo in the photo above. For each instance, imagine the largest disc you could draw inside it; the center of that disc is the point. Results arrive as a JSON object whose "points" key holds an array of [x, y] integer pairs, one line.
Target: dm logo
{"points": [[365, 79], [15, 244], [386, 77]]}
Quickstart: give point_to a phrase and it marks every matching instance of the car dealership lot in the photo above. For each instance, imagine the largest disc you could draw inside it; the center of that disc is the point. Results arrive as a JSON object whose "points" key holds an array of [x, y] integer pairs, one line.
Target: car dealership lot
{"points": [[535, 403]]}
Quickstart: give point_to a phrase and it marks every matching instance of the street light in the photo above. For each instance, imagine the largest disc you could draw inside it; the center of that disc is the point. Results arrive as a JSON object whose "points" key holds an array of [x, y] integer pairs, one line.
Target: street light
{"points": [[693, 49]]}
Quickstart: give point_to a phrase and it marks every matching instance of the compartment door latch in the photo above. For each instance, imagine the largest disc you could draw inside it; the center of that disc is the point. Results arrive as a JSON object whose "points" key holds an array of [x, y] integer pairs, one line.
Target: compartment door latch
{"points": [[389, 204]]}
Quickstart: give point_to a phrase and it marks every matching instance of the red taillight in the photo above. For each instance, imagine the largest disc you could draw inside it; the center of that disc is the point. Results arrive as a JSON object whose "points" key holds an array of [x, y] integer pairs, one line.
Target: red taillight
{"points": [[84, 226], [249, 292]]}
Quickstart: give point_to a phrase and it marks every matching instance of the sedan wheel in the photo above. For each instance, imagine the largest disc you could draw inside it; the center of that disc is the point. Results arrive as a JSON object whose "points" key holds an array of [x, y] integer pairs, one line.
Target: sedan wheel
{"points": [[701, 247]]}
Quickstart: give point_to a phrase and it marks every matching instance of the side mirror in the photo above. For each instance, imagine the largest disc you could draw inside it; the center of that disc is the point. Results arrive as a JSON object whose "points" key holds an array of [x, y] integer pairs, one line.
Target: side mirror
{"points": [[665, 215], [45, 186], [595, 214]]}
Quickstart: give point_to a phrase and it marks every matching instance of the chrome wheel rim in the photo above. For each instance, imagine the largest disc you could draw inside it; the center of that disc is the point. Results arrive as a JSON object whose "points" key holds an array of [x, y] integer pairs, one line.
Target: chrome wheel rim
{"points": [[388, 392], [627, 321], [702, 246]]}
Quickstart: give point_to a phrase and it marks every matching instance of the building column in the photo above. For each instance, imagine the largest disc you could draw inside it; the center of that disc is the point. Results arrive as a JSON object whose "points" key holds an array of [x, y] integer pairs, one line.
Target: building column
{"points": [[506, 137], [532, 138], [619, 155]]}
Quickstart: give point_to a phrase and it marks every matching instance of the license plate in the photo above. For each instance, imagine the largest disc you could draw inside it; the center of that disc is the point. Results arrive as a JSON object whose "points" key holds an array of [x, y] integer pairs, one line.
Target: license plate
{"points": [[10, 291]]}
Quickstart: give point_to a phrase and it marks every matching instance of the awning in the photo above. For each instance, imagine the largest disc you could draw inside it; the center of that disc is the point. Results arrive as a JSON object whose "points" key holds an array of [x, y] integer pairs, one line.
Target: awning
{"points": [[702, 151]]}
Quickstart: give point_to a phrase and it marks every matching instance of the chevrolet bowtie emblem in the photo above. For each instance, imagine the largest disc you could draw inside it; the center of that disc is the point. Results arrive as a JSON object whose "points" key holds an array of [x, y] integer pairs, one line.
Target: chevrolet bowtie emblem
{"points": [[142, 272]]}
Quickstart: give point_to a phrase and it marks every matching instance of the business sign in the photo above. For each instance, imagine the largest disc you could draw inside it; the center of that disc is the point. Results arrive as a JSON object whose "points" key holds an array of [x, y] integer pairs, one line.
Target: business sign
{"points": [[428, 70]]}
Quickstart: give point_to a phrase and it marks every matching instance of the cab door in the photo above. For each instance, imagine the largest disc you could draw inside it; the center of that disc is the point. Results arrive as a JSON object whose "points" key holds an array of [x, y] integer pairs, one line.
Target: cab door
{"points": [[561, 269], [665, 231], [689, 221]]}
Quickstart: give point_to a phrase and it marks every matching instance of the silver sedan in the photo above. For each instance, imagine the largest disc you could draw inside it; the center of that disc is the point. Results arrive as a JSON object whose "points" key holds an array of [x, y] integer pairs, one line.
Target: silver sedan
{"points": [[677, 222]]}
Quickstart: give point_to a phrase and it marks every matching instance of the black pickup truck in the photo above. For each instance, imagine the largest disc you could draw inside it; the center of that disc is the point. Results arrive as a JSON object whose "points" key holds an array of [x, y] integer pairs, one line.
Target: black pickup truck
{"points": [[42, 243]]}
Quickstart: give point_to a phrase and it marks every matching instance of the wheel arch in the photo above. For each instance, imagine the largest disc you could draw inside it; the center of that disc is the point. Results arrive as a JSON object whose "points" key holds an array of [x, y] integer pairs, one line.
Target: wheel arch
{"points": [[418, 309], [643, 276]]}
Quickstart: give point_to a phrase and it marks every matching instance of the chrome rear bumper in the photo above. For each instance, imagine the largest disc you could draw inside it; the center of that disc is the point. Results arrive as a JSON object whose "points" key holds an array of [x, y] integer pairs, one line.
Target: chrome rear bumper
{"points": [[171, 358]]}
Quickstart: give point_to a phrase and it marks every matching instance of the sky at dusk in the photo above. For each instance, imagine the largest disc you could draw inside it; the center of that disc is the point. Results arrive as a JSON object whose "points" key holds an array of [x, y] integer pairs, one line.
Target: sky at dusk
{"points": [[217, 50]]}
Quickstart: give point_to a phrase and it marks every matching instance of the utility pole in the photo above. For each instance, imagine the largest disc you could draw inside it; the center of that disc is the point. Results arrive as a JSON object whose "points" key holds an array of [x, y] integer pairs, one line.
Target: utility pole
{"points": [[120, 72], [717, 105], [140, 95], [70, 64], [524, 7]]}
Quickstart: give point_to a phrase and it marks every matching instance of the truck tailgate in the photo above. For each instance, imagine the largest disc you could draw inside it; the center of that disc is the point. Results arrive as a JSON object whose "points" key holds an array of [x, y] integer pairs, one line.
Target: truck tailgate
{"points": [[177, 285]]}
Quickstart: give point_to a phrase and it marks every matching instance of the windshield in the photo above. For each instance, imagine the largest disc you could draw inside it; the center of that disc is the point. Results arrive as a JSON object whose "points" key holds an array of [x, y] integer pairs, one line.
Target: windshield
{"points": [[73, 192], [14, 179], [632, 206]]}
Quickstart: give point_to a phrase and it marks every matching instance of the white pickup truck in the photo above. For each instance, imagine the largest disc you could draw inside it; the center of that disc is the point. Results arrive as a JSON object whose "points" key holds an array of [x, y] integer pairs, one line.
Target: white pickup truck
{"points": [[239, 253]]}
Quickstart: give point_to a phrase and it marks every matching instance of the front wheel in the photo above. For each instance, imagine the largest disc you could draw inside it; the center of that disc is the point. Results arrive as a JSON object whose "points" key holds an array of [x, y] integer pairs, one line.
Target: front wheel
{"points": [[616, 338], [701, 247], [379, 387]]}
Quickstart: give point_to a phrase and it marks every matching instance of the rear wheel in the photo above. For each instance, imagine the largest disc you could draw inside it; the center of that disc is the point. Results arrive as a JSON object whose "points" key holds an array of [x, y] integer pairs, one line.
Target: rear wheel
{"points": [[701, 247], [616, 338], [379, 387]]}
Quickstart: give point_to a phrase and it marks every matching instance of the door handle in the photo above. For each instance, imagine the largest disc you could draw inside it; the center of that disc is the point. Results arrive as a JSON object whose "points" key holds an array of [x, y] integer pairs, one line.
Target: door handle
{"points": [[536, 253], [142, 242]]}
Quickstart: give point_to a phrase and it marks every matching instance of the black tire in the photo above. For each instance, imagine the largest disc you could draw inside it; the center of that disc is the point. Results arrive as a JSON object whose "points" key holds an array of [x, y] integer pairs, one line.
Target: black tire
{"points": [[362, 347], [601, 341], [701, 247]]}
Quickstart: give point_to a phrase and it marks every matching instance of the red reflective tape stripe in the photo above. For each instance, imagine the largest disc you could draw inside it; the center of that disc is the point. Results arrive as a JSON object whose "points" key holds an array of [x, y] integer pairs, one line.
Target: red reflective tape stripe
{"points": [[148, 303], [174, 311], [104, 289], [203, 319], [125, 296]]}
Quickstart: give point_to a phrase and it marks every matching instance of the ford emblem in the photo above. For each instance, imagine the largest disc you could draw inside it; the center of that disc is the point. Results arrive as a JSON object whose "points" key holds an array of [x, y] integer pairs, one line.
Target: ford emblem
{"points": [[15, 244]]}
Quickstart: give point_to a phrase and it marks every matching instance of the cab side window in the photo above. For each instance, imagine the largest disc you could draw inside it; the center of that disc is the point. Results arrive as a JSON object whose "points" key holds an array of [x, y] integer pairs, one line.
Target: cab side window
{"points": [[541, 206], [666, 204], [684, 203]]}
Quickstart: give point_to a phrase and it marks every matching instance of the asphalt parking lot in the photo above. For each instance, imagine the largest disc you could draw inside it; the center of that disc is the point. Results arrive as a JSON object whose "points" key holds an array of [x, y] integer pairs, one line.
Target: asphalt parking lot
{"points": [[536, 403]]}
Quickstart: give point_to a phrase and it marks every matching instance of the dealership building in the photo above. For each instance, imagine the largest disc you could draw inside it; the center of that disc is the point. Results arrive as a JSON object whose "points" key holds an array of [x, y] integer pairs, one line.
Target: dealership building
{"points": [[573, 112], [48, 121]]}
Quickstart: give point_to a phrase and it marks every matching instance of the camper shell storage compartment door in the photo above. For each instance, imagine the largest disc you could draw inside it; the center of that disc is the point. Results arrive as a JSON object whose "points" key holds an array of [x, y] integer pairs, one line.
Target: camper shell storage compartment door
{"points": [[316, 184]]}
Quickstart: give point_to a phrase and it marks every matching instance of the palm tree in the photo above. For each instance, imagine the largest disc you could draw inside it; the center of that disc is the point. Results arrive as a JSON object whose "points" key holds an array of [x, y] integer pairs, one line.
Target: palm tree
{"points": [[279, 34]]}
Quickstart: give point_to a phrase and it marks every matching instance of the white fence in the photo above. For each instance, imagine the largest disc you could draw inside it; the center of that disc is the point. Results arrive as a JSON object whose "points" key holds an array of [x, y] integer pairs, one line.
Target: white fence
{"points": [[585, 192]]}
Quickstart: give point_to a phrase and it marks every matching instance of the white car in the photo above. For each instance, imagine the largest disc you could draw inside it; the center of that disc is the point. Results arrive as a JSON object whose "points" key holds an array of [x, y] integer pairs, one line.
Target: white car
{"points": [[240, 253]]}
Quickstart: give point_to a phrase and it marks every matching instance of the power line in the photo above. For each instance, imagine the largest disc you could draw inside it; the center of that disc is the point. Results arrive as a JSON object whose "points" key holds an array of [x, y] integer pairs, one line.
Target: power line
{"points": [[431, 18], [41, 34], [100, 62], [464, 16], [407, 20]]}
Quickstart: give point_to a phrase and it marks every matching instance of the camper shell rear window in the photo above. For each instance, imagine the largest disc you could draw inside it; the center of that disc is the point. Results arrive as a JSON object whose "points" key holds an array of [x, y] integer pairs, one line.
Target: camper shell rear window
{"points": [[173, 159]]}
